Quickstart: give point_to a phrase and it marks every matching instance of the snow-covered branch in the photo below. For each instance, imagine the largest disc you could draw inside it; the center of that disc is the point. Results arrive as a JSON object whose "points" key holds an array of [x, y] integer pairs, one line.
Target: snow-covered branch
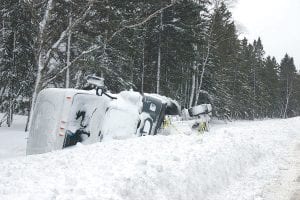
{"points": [[66, 31], [43, 24], [142, 22], [96, 47], [91, 49]]}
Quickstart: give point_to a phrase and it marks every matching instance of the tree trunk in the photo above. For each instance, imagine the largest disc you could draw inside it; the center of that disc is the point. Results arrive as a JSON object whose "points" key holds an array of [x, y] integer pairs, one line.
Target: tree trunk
{"points": [[286, 106], [131, 72], [186, 93], [27, 121], [159, 56], [3, 30], [9, 113], [40, 57], [143, 69], [233, 111], [204, 64], [78, 77], [11, 95], [68, 55], [254, 93], [287, 99], [193, 84], [37, 88]]}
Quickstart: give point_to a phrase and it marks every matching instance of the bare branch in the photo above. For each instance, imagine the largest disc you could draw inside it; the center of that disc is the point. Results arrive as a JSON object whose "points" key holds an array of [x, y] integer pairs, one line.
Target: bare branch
{"points": [[66, 31], [142, 22], [43, 24], [96, 47], [71, 63]]}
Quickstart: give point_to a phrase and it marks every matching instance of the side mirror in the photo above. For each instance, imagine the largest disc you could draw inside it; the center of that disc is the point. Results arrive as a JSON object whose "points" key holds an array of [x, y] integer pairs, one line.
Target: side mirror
{"points": [[96, 81], [99, 91]]}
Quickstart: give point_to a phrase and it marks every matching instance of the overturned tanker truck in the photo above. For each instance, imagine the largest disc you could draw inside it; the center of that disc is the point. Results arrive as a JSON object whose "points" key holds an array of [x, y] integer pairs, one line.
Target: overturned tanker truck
{"points": [[64, 117]]}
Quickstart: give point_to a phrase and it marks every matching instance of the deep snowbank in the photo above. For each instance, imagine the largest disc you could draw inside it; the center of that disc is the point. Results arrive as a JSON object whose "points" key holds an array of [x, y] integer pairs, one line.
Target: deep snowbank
{"points": [[234, 161]]}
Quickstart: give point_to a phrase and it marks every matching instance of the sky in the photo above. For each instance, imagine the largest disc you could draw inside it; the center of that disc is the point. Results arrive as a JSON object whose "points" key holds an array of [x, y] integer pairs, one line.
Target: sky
{"points": [[277, 22]]}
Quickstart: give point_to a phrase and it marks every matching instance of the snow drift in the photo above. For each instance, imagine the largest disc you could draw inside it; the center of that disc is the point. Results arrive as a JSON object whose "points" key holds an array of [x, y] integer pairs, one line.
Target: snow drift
{"points": [[233, 161]]}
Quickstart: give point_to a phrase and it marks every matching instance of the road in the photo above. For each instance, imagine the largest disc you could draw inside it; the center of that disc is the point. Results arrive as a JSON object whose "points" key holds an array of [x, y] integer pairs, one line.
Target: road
{"points": [[296, 181]]}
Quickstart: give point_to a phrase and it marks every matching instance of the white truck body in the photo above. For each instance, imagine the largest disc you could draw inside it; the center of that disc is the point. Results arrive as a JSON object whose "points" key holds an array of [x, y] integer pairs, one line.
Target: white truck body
{"points": [[55, 113]]}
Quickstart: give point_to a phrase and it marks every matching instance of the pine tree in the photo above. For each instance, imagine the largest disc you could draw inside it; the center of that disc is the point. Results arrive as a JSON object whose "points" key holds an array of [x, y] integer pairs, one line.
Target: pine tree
{"points": [[224, 61], [287, 79], [271, 85], [181, 49], [16, 61]]}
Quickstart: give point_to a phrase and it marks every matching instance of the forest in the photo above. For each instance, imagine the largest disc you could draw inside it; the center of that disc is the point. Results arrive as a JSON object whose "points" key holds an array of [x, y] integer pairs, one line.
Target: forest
{"points": [[189, 50]]}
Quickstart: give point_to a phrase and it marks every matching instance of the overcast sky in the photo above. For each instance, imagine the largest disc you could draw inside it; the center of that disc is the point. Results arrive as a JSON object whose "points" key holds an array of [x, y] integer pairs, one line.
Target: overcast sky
{"points": [[277, 22]]}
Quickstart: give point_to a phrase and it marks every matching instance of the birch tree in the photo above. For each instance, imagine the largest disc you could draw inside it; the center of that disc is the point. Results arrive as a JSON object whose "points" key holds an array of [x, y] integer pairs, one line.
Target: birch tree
{"points": [[287, 78], [47, 44]]}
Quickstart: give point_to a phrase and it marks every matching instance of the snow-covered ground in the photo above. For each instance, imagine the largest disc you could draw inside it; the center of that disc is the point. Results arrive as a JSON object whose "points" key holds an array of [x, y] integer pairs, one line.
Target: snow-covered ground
{"points": [[13, 140], [234, 161]]}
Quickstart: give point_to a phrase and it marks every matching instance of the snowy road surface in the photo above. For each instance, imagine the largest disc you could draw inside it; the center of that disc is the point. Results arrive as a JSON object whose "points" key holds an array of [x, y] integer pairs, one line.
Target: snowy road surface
{"points": [[235, 161]]}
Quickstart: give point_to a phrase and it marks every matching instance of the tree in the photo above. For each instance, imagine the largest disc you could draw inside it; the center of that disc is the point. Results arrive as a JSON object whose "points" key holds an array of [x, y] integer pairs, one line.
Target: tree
{"points": [[16, 59], [49, 16], [185, 49], [271, 85], [287, 78], [225, 47]]}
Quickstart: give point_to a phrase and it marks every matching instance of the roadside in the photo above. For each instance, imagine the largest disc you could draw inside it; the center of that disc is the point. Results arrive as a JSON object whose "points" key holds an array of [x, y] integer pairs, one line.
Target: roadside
{"points": [[296, 182], [286, 186], [241, 160], [13, 140]]}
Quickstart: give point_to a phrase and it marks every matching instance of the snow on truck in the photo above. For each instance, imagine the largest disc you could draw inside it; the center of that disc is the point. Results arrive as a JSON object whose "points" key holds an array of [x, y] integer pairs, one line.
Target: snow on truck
{"points": [[63, 117]]}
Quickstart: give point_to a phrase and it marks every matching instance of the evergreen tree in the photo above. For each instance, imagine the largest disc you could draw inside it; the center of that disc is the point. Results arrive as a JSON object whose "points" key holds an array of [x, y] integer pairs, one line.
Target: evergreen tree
{"points": [[287, 85], [272, 90], [181, 49], [16, 61], [224, 61]]}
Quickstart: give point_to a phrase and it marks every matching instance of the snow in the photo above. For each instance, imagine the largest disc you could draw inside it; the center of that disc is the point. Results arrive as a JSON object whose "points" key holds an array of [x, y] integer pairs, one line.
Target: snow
{"points": [[122, 117], [164, 99], [200, 109], [235, 161], [13, 140]]}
